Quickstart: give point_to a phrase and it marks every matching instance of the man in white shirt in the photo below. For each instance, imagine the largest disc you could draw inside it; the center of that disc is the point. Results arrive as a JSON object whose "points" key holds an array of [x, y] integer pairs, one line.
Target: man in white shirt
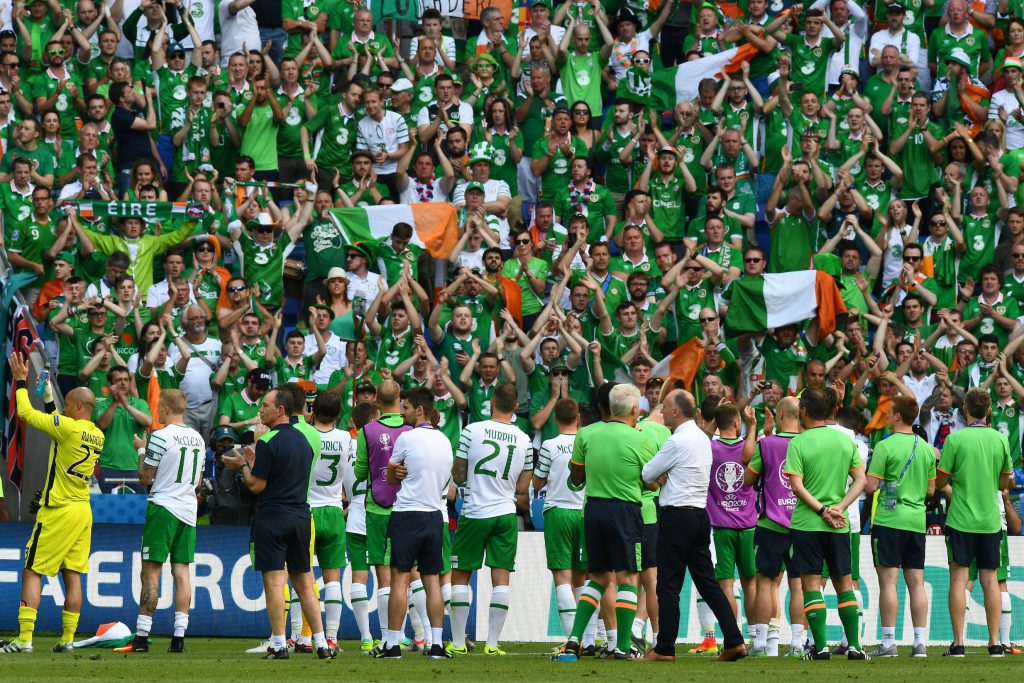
{"points": [[201, 367], [362, 284], [334, 358], [238, 27], [171, 464], [896, 34], [497, 195], [385, 134], [422, 462], [159, 293], [683, 468], [853, 21]]}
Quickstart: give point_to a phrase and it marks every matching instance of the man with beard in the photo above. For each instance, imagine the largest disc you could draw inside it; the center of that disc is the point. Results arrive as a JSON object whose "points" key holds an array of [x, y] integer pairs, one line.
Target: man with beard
{"points": [[196, 382]]}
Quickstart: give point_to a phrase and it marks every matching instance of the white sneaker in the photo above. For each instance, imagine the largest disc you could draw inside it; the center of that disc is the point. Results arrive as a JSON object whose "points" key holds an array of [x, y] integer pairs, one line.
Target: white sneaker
{"points": [[260, 649]]}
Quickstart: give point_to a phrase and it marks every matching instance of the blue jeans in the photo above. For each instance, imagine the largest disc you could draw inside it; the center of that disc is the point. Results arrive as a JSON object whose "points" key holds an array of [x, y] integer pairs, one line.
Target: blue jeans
{"points": [[166, 149], [278, 38]]}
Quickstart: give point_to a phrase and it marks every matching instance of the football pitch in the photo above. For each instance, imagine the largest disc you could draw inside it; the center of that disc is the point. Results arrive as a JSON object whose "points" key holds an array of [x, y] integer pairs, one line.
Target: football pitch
{"points": [[209, 659]]}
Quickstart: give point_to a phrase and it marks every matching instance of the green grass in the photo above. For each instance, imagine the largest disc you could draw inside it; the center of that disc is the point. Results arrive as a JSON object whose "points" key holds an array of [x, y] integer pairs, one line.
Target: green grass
{"points": [[210, 659]]}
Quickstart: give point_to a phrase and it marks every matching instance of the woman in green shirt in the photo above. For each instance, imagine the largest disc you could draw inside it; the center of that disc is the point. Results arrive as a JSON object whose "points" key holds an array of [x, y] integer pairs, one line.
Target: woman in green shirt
{"points": [[530, 273]]}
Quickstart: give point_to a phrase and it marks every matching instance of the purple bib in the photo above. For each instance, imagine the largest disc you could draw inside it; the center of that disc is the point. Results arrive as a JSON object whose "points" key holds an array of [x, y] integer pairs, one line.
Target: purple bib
{"points": [[778, 499], [380, 442], [730, 502]]}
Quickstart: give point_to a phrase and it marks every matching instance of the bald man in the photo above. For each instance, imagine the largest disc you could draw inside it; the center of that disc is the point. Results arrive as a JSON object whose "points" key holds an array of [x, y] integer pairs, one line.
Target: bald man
{"points": [[683, 468], [62, 535]]}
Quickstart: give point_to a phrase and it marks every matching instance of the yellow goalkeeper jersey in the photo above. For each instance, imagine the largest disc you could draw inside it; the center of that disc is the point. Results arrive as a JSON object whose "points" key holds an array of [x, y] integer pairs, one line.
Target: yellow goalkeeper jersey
{"points": [[76, 448]]}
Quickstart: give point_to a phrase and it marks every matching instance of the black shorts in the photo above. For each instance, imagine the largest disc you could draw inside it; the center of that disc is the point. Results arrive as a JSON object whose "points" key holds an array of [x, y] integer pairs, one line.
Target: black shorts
{"points": [[416, 540], [964, 547], [772, 552], [813, 549], [897, 547], [649, 547], [614, 533], [281, 539]]}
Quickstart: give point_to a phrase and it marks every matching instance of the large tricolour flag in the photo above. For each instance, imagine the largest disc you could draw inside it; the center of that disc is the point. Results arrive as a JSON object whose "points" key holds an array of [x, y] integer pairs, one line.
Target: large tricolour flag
{"points": [[435, 225], [669, 86], [759, 303]]}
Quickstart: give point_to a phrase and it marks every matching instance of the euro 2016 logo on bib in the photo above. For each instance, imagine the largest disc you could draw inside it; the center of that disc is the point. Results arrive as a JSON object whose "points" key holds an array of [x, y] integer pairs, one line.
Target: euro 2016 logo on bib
{"points": [[385, 441], [729, 477], [783, 477]]}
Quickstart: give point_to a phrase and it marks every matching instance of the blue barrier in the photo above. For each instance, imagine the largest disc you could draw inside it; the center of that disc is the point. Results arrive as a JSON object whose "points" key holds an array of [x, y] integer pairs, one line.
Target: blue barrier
{"points": [[113, 508], [227, 594]]}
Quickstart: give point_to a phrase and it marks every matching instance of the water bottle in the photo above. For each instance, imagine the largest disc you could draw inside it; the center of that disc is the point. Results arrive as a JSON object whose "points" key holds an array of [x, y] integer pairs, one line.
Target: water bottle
{"points": [[44, 377]]}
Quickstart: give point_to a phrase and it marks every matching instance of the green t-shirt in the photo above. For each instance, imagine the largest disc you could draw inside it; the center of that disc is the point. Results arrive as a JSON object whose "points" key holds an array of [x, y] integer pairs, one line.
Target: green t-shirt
{"points": [[339, 136], [265, 266], [689, 303], [823, 457], [792, 242], [811, 61], [531, 303], [903, 480], [667, 207], [236, 407], [980, 235], [987, 325], [172, 92], [119, 451], [259, 138], [596, 205], [613, 458], [556, 177], [974, 458], [46, 85], [30, 240], [289, 137], [915, 159]]}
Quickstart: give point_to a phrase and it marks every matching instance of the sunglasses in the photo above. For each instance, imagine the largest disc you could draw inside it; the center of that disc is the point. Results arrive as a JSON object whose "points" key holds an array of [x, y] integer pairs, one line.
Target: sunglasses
{"points": [[523, 241], [1018, 256], [708, 320], [352, 255], [176, 55], [237, 288], [209, 249], [559, 373], [752, 260], [12, 65], [55, 53], [911, 259], [264, 228], [695, 268], [581, 111], [938, 222]]}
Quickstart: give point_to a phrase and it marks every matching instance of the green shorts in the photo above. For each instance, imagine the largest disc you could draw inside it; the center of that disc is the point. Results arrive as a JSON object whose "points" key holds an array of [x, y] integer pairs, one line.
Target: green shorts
{"points": [[1004, 562], [446, 550], [854, 559], [378, 547], [563, 539], [164, 535], [329, 541], [357, 552], [734, 550], [497, 537]]}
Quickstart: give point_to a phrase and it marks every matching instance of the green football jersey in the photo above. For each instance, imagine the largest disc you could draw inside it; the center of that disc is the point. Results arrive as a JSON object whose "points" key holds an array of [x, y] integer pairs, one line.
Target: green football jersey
{"points": [[613, 458], [823, 458], [974, 458], [904, 464]]}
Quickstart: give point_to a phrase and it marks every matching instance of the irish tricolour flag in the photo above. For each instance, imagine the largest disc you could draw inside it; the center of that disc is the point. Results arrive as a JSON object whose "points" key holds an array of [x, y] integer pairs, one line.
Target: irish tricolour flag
{"points": [[435, 226], [669, 86], [759, 303]]}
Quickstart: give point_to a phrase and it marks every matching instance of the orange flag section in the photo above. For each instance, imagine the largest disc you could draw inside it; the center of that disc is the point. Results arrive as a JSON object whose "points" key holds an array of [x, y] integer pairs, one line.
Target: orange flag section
{"points": [[681, 363], [830, 302]]}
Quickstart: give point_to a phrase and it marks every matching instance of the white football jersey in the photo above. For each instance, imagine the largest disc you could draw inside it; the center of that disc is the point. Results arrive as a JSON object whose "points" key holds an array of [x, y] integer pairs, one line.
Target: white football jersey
{"points": [[179, 454], [427, 454], [496, 453], [553, 465], [329, 471], [355, 492]]}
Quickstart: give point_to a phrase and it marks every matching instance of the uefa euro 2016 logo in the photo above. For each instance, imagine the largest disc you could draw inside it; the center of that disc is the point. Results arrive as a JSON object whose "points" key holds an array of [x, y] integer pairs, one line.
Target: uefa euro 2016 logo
{"points": [[783, 477], [729, 477], [385, 442]]}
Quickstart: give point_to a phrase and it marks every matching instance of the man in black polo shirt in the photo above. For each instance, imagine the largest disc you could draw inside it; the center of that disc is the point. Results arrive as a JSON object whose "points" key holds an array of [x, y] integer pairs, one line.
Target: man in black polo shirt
{"points": [[278, 471], [133, 119]]}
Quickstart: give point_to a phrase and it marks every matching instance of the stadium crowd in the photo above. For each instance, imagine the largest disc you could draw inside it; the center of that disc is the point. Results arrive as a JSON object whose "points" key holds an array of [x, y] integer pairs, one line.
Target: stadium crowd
{"points": [[175, 174]]}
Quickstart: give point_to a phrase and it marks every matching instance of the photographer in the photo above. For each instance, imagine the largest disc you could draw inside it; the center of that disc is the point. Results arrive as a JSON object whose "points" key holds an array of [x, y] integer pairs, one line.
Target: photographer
{"points": [[227, 500]]}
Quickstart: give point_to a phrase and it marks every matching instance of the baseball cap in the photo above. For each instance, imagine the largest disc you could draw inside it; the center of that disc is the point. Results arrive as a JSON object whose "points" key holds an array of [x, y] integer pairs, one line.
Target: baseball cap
{"points": [[361, 153], [558, 365], [173, 47], [666, 150], [224, 432], [334, 273], [895, 7], [851, 70], [260, 378], [546, 3], [473, 185], [401, 85], [561, 109]]}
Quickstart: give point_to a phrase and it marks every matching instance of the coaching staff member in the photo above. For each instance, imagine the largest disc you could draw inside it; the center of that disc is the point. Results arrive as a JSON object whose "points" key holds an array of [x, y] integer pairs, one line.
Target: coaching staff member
{"points": [[608, 457], [422, 462], [683, 467], [278, 472]]}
